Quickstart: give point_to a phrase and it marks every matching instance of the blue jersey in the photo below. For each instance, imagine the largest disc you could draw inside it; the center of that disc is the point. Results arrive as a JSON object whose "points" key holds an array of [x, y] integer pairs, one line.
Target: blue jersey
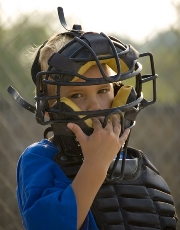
{"points": [[45, 197]]}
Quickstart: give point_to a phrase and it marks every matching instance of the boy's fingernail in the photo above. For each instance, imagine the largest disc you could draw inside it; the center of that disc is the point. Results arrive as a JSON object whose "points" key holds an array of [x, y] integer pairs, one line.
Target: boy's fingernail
{"points": [[70, 125]]}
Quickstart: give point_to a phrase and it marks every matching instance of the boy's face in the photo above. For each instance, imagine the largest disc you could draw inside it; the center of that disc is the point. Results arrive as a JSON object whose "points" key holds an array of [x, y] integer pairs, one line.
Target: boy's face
{"points": [[94, 97]]}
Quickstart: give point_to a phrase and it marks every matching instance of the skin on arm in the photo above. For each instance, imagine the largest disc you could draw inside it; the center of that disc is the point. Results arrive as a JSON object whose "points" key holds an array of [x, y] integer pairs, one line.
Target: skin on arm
{"points": [[99, 150]]}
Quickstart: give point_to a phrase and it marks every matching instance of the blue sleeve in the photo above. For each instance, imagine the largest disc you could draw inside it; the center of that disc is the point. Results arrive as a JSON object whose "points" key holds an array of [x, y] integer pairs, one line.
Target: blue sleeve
{"points": [[54, 211], [45, 196]]}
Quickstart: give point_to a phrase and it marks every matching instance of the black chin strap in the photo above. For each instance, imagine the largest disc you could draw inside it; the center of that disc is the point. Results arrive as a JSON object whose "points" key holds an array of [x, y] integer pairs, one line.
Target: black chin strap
{"points": [[69, 157], [114, 165], [20, 100]]}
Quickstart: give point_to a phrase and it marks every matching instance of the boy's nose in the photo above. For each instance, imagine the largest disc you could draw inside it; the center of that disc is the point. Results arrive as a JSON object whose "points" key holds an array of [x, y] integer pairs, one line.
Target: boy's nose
{"points": [[93, 104]]}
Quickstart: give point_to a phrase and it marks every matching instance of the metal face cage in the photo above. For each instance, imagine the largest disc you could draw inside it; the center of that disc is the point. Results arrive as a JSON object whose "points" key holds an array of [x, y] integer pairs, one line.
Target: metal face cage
{"points": [[71, 62], [63, 69]]}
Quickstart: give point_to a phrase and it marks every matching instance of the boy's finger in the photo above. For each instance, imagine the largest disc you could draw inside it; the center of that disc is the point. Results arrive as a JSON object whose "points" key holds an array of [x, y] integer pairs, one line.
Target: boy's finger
{"points": [[116, 125], [81, 136], [124, 136], [96, 123]]}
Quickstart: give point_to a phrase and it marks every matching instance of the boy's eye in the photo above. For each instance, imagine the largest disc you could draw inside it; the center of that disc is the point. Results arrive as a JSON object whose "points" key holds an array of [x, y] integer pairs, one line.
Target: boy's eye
{"points": [[103, 91], [76, 95]]}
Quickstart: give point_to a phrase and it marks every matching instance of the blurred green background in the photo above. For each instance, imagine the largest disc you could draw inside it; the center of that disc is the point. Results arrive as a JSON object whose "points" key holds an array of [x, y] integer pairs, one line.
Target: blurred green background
{"points": [[156, 132]]}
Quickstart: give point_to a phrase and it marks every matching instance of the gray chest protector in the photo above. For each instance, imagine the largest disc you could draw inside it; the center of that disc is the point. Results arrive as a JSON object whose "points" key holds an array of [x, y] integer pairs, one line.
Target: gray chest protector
{"points": [[141, 201]]}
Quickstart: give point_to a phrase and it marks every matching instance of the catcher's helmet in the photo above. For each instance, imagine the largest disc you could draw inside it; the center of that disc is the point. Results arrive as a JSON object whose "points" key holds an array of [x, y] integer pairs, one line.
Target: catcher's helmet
{"points": [[71, 62]]}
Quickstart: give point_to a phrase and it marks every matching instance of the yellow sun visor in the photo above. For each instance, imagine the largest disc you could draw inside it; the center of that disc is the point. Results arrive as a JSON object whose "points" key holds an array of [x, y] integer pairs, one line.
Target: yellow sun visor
{"points": [[111, 62]]}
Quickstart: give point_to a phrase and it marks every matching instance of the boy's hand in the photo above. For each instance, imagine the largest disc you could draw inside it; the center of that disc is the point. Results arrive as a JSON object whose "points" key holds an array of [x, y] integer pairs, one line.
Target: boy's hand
{"points": [[99, 149], [102, 146]]}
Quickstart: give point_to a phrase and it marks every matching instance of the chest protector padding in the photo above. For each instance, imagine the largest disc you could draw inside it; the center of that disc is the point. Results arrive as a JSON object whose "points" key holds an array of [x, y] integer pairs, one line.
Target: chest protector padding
{"points": [[140, 202]]}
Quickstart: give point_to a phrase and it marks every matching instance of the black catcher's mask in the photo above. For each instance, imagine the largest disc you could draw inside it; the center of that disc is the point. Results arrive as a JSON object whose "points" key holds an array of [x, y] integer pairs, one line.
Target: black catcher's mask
{"points": [[70, 63]]}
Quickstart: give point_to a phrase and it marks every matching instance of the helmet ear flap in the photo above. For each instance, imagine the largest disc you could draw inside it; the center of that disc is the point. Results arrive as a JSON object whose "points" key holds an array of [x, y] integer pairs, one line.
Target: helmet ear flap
{"points": [[125, 94]]}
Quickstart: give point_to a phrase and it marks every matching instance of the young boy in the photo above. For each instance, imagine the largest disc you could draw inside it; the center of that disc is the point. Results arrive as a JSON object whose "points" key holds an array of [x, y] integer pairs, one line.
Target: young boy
{"points": [[84, 176]]}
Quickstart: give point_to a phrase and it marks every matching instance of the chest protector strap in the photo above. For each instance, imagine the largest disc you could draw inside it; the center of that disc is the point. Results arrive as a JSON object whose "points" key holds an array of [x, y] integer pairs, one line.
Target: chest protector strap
{"points": [[141, 201]]}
